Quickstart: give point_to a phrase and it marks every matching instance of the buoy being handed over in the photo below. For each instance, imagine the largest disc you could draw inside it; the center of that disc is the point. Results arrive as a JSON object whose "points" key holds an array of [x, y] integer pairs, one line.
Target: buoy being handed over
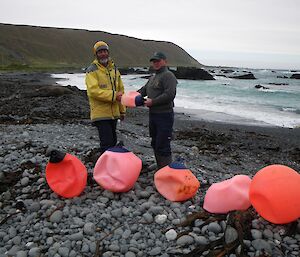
{"points": [[132, 99], [65, 174], [175, 182], [275, 194], [117, 169]]}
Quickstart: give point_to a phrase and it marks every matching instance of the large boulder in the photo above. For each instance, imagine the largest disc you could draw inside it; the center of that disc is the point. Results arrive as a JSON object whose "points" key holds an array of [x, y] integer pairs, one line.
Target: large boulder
{"points": [[192, 73], [245, 76], [295, 76]]}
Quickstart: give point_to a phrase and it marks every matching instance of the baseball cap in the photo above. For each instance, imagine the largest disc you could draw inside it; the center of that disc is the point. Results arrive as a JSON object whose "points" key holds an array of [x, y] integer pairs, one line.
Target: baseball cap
{"points": [[158, 56]]}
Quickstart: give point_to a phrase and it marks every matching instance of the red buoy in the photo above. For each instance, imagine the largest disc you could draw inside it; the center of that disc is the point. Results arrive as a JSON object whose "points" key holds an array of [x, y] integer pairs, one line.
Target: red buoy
{"points": [[275, 194], [175, 182], [65, 174]]}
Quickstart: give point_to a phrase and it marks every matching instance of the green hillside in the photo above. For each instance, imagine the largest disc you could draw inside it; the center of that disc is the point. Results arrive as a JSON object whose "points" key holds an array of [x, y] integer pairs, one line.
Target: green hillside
{"points": [[60, 47]]}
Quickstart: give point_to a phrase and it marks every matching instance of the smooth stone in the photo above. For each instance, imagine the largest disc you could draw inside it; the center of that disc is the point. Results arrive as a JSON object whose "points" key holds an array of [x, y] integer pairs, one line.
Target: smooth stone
{"points": [[256, 234], [34, 252], [214, 227], [64, 251], [161, 219], [130, 254], [171, 235], [21, 254], [201, 240], [260, 244], [155, 251], [56, 216], [185, 240], [148, 217], [89, 228], [230, 235]]}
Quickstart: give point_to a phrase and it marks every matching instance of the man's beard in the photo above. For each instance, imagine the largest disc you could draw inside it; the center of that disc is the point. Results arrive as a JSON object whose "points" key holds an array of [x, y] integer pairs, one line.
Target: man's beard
{"points": [[103, 60]]}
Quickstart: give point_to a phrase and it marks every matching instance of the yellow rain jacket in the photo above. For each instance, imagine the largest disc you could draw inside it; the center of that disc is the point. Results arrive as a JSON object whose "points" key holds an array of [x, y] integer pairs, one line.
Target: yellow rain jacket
{"points": [[102, 84]]}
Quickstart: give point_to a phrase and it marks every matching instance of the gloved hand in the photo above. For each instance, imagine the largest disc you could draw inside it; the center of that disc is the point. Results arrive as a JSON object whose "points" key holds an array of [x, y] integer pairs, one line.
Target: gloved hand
{"points": [[139, 100]]}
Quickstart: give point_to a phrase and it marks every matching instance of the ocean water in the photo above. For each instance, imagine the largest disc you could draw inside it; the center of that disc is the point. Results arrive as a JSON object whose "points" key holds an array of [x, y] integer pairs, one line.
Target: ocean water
{"points": [[276, 103]]}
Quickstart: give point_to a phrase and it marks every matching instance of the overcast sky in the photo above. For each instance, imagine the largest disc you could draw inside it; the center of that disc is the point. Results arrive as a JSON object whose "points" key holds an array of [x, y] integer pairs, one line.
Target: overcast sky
{"points": [[245, 33]]}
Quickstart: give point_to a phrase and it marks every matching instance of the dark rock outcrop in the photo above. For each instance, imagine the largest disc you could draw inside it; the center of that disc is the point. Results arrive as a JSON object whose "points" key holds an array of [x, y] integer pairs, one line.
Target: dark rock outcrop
{"points": [[246, 76], [227, 71], [22, 101], [192, 74], [260, 86], [278, 84], [295, 76]]}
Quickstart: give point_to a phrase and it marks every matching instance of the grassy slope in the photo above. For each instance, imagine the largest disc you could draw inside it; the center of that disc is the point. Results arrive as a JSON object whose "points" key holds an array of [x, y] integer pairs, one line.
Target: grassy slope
{"points": [[45, 47]]}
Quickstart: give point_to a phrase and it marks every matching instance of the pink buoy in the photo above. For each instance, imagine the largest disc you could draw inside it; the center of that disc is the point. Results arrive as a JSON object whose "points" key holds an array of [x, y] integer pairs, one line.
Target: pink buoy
{"points": [[175, 182], [229, 195], [117, 169], [132, 99], [275, 194]]}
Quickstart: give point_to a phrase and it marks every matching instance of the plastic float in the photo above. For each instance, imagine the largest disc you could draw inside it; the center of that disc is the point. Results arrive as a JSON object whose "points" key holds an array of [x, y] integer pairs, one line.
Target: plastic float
{"points": [[132, 99], [275, 194], [175, 182], [228, 195], [65, 174], [117, 169]]}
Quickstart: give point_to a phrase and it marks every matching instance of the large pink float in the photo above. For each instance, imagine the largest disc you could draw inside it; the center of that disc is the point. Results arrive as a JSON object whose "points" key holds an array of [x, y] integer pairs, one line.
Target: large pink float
{"points": [[228, 195], [117, 169]]}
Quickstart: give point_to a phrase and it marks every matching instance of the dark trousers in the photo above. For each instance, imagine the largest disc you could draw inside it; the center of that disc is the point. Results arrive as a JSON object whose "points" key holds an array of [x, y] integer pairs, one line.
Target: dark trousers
{"points": [[107, 133], [160, 128]]}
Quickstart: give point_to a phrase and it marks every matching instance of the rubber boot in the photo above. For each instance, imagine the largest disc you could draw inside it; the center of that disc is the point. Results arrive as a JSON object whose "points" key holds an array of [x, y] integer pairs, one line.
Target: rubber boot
{"points": [[162, 161]]}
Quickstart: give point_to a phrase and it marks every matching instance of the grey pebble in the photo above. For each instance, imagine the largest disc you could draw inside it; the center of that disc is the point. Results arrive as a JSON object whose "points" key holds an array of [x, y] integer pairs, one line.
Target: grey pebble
{"points": [[64, 251], [185, 240], [201, 240], [230, 235], [214, 227], [76, 237], [21, 254], [114, 248], [117, 213], [89, 228], [12, 232], [130, 254], [260, 244], [148, 217], [34, 252], [268, 234], [56, 216], [256, 234], [126, 234], [155, 251], [24, 181]]}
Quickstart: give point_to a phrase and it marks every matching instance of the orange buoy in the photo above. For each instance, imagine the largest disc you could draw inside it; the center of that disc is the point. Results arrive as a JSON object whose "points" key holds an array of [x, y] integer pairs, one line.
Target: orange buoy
{"points": [[117, 169], [175, 182], [132, 99], [65, 174], [275, 194], [228, 195]]}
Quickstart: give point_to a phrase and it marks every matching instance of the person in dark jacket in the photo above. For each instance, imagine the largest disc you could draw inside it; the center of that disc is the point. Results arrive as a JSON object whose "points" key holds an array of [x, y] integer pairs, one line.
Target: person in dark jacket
{"points": [[160, 91]]}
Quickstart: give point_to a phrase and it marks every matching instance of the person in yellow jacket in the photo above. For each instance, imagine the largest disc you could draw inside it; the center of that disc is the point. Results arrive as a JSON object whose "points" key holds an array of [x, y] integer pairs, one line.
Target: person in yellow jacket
{"points": [[104, 89]]}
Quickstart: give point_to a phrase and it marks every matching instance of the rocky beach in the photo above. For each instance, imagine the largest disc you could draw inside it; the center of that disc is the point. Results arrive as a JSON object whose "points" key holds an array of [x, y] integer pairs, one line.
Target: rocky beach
{"points": [[36, 114]]}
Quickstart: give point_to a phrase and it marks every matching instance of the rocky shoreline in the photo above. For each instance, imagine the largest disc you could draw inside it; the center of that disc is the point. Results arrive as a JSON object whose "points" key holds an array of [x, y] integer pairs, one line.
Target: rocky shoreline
{"points": [[36, 113]]}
